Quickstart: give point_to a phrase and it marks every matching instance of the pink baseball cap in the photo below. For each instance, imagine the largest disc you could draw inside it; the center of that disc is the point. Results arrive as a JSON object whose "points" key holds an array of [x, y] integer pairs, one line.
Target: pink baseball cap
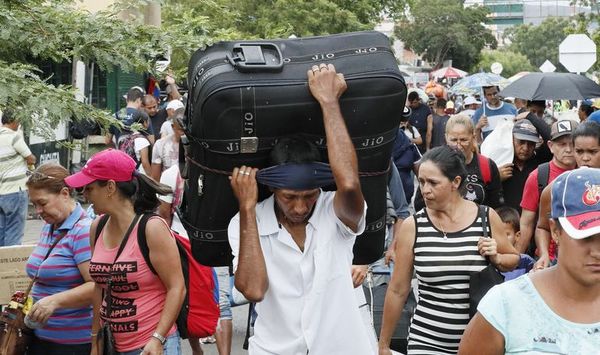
{"points": [[109, 164]]}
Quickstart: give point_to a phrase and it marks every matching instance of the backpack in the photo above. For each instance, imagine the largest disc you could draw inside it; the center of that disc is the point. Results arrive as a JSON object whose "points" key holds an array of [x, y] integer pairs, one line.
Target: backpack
{"points": [[79, 129], [199, 312], [485, 169], [127, 144], [543, 177]]}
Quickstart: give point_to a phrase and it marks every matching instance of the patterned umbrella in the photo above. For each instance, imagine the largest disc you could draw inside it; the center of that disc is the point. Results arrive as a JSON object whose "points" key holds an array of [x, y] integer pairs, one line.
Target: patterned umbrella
{"points": [[448, 72], [472, 84]]}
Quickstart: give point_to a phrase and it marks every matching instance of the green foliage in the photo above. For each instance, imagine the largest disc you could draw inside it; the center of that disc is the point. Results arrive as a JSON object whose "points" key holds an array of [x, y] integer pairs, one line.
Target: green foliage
{"points": [[539, 43], [58, 31], [39, 106], [512, 62], [282, 18], [587, 23], [444, 29], [35, 31]]}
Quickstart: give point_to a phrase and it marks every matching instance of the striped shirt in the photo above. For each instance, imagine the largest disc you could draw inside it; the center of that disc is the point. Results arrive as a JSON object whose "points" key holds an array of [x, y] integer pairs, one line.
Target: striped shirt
{"points": [[443, 265], [13, 151], [60, 273]]}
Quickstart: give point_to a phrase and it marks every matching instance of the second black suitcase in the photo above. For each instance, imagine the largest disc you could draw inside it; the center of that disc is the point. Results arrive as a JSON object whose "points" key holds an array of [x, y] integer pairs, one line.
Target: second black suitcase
{"points": [[245, 95]]}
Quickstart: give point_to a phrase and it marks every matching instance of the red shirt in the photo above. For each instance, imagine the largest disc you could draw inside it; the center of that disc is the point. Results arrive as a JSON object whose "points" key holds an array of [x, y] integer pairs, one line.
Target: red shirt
{"points": [[531, 195]]}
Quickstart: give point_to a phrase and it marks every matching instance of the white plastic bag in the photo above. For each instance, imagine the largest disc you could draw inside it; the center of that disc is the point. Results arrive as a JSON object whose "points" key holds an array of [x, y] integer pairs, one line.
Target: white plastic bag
{"points": [[498, 145]]}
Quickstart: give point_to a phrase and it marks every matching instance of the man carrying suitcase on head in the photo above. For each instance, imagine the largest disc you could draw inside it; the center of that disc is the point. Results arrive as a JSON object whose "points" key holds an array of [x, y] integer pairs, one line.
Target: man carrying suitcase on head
{"points": [[293, 251]]}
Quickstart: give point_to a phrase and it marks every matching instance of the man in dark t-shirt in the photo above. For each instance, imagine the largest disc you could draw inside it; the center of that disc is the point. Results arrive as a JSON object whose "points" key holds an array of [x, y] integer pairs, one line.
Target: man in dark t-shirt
{"points": [[157, 116], [526, 134], [436, 125], [418, 116]]}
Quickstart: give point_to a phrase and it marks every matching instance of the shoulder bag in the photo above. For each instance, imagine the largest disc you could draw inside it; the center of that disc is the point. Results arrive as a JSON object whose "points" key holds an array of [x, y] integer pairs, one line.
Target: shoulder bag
{"points": [[481, 282], [15, 336]]}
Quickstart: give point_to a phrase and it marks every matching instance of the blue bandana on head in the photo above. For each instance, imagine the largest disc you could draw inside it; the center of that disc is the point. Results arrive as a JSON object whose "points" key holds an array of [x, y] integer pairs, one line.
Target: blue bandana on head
{"points": [[306, 176]]}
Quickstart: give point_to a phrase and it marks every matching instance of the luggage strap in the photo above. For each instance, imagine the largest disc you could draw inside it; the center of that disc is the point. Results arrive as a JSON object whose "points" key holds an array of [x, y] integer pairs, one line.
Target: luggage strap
{"points": [[228, 173], [376, 225], [237, 146], [249, 139], [204, 67], [319, 57], [204, 235]]}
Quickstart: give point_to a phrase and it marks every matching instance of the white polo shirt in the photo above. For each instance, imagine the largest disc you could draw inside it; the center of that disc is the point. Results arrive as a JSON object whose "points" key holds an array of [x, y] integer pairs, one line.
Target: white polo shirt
{"points": [[310, 305]]}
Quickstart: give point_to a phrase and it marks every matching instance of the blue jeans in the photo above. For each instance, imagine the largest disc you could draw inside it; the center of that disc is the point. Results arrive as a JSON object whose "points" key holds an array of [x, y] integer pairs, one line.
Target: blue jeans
{"points": [[13, 213], [224, 292], [171, 347]]}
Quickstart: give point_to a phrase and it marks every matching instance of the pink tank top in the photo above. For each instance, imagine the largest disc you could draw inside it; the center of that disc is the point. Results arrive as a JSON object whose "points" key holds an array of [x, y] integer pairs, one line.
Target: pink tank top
{"points": [[138, 295]]}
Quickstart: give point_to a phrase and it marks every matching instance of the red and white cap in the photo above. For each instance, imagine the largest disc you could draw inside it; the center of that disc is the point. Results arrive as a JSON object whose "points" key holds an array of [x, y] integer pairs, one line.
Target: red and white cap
{"points": [[109, 164], [576, 202]]}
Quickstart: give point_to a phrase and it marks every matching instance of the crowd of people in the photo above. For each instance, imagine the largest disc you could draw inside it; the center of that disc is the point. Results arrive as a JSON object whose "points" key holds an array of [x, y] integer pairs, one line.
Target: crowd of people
{"points": [[293, 252]]}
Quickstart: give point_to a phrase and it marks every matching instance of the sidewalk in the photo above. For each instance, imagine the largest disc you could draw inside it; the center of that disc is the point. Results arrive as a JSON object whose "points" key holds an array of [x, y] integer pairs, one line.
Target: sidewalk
{"points": [[240, 314]]}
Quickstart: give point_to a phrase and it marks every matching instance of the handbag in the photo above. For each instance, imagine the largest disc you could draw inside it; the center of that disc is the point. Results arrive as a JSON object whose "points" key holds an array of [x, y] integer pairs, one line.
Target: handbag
{"points": [[15, 336], [481, 282], [105, 335]]}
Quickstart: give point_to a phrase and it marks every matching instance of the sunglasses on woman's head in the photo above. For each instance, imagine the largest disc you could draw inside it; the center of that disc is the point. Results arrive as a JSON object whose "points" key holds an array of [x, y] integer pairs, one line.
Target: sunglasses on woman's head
{"points": [[35, 176]]}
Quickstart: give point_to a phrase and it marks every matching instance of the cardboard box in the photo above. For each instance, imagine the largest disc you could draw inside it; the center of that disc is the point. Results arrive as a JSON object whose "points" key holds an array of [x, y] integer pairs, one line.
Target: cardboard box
{"points": [[12, 270]]}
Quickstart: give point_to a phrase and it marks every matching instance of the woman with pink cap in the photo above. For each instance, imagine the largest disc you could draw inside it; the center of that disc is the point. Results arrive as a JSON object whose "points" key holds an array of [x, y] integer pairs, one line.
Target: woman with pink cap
{"points": [[140, 305]]}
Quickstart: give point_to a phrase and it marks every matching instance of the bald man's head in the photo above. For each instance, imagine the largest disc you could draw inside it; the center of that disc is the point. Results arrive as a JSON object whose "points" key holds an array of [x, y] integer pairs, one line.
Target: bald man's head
{"points": [[150, 105]]}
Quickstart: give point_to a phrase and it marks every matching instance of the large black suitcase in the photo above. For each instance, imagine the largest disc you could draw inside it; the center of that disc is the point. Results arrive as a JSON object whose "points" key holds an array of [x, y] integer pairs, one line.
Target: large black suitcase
{"points": [[245, 95]]}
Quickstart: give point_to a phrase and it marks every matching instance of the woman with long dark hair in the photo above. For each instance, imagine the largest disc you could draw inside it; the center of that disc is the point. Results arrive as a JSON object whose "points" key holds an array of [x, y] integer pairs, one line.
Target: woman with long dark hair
{"points": [[444, 244], [144, 302]]}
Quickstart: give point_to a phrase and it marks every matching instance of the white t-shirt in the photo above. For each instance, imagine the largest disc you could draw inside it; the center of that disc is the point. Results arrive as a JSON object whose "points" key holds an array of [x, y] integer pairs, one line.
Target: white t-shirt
{"points": [[13, 166], [169, 177], [165, 152], [412, 134], [516, 309], [140, 143], [468, 112], [310, 304], [166, 128]]}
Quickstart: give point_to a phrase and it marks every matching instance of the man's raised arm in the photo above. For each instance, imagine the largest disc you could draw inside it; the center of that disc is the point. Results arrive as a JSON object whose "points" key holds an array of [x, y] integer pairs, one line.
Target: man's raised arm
{"points": [[327, 86]]}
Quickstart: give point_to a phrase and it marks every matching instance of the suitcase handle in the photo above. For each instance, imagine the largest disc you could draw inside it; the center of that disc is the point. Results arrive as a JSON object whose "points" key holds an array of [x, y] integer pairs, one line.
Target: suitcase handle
{"points": [[256, 57]]}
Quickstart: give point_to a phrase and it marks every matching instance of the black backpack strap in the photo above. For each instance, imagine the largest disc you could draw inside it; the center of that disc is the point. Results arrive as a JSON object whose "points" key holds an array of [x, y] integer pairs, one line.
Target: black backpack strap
{"points": [[483, 211], [246, 343], [543, 177], [101, 223], [143, 242]]}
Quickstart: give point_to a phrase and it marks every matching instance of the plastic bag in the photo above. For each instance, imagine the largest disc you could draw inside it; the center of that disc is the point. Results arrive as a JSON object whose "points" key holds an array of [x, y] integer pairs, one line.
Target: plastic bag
{"points": [[498, 145]]}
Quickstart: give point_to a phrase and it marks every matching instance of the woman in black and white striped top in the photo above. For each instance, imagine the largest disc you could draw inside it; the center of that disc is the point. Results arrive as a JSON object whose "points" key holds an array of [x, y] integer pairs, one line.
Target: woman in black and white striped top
{"points": [[443, 243]]}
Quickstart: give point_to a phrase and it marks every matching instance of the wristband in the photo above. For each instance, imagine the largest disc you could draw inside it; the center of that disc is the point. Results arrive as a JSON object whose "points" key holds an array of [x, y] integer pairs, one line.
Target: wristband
{"points": [[160, 338]]}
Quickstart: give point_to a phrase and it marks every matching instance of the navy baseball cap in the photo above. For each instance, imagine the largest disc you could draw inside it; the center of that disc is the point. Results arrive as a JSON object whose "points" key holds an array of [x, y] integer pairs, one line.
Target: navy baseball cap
{"points": [[525, 131], [576, 202]]}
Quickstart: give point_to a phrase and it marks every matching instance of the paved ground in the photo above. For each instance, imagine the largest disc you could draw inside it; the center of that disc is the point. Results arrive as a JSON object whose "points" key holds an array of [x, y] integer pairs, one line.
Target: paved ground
{"points": [[240, 314]]}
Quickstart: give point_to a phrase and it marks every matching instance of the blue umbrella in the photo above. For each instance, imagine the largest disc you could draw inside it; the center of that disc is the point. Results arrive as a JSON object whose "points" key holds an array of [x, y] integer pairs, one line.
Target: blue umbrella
{"points": [[472, 84]]}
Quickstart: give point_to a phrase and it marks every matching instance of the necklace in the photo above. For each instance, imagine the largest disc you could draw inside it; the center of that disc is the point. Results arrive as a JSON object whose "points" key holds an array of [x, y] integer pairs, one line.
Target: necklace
{"points": [[439, 225], [443, 231]]}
